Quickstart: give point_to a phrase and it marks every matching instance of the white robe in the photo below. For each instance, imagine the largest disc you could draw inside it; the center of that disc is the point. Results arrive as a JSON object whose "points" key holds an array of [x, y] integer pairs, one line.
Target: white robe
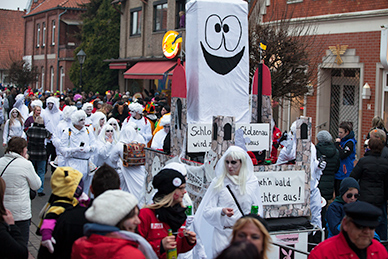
{"points": [[72, 154], [158, 140], [15, 130], [144, 127]]}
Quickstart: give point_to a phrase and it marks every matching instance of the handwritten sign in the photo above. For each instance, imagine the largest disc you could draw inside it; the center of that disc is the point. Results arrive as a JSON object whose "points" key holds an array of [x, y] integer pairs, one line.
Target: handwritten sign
{"points": [[284, 187], [258, 134], [199, 137]]}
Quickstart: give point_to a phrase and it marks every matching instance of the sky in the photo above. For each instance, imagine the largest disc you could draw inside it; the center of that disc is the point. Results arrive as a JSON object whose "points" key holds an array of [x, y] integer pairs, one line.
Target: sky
{"points": [[13, 4]]}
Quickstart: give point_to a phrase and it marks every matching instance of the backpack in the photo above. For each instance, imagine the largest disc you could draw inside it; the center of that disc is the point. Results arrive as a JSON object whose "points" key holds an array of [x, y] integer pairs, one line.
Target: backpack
{"points": [[133, 154]]}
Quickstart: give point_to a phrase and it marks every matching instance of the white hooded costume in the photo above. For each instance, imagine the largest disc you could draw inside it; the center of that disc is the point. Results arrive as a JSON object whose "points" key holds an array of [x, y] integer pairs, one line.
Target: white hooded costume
{"points": [[14, 130], [21, 106], [77, 147], [87, 108], [132, 178], [214, 231], [96, 117], [35, 103], [52, 117], [158, 140], [104, 147], [112, 122], [143, 123]]}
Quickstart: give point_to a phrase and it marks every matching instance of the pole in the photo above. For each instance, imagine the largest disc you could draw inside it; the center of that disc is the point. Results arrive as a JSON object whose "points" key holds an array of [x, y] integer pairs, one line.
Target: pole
{"points": [[80, 78]]}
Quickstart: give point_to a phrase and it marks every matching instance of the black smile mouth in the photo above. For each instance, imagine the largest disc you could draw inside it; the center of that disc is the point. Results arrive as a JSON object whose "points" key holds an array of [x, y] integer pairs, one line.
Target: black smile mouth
{"points": [[222, 65]]}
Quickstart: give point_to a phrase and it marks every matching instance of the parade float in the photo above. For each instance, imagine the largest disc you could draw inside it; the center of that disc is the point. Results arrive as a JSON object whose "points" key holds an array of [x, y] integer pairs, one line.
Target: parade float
{"points": [[211, 102]]}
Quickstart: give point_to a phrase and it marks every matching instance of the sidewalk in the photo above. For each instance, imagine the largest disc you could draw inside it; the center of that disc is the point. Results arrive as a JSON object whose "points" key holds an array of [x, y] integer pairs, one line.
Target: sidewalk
{"points": [[36, 206]]}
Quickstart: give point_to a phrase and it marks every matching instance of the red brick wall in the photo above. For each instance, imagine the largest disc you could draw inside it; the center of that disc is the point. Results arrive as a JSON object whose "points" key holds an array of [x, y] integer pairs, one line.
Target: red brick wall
{"points": [[12, 36], [367, 45], [321, 7]]}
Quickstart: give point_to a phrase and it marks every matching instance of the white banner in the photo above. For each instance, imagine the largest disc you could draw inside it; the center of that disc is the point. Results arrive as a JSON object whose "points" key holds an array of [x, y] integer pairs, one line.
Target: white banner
{"points": [[199, 137], [258, 135], [282, 187]]}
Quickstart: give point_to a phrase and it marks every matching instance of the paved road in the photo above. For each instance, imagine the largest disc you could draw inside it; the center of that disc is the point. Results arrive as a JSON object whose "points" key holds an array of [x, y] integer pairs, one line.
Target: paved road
{"points": [[37, 205]]}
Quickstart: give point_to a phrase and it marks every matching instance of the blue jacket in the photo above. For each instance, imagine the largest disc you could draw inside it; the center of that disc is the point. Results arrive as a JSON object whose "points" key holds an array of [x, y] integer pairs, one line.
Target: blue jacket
{"points": [[347, 164], [334, 215]]}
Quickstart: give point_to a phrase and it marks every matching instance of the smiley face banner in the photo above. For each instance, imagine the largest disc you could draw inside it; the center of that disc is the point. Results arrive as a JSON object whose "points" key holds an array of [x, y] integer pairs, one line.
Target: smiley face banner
{"points": [[217, 60]]}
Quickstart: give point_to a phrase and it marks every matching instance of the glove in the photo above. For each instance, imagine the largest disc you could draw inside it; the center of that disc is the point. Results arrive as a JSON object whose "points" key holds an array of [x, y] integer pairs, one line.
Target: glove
{"points": [[322, 162], [49, 244]]}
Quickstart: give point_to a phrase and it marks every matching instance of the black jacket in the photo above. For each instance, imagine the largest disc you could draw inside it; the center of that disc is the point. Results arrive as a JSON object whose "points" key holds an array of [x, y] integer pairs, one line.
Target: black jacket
{"points": [[11, 242], [371, 172], [326, 184]]}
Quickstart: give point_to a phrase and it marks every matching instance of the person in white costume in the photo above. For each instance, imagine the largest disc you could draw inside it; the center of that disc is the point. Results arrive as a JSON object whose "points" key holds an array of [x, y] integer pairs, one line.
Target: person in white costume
{"points": [[158, 140], [21, 106], [88, 108], [35, 103], [13, 127], [51, 116], [77, 146], [132, 178], [99, 120], [218, 210], [288, 153], [113, 122], [105, 142], [142, 122]]}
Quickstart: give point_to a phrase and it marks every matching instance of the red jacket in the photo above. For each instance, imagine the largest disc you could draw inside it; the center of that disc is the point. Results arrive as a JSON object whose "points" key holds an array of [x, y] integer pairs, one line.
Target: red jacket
{"points": [[154, 231], [105, 247], [337, 247]]}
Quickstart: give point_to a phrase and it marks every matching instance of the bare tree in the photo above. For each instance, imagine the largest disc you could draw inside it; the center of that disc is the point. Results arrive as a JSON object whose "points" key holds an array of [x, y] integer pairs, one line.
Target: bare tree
{"points": [[21, 73], [292, 55]]}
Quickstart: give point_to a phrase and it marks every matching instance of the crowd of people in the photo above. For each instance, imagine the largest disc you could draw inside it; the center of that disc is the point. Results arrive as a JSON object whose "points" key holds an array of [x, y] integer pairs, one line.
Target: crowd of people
{"points": [[98, 209]]}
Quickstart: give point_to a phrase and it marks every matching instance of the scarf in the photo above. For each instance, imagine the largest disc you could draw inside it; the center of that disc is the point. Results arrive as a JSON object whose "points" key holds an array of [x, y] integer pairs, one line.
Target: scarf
{"points": [[361, 253], [174, 216]]}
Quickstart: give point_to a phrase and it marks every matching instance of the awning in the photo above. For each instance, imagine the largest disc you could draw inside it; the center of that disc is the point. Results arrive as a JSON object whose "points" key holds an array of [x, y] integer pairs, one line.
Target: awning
{"points": [[118, 65], [150, 70]]}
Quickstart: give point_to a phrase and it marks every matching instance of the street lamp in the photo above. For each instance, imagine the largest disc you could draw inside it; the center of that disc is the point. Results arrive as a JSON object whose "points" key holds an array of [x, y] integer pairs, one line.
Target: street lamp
{"points": [[81, 55]]}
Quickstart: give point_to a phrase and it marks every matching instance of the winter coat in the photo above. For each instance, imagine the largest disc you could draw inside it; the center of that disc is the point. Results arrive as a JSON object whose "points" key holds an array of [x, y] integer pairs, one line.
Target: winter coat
{"points": [[346, 162], [104, 246], [334, 215], [19, 177], [11, 242], [326, 184], [154, 231], [371, 172], [337, 248]]}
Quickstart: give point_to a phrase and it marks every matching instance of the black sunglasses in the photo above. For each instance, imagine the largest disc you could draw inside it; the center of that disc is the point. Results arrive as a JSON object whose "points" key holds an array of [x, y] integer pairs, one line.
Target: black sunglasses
{"points": [[350, 195]]}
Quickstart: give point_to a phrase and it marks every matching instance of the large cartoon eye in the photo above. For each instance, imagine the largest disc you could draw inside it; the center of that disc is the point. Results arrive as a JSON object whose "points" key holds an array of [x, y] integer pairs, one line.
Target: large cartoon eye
{"points": [[213, 32], [232, 29]]}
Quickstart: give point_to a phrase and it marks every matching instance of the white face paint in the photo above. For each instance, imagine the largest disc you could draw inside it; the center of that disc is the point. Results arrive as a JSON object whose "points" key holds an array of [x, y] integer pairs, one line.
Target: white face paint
{"points": [[102, 122], [89, 111], [166, 128], [50, 106], [14, 113], [133, 113], [109, 133], [114, 125], [81, 122]]}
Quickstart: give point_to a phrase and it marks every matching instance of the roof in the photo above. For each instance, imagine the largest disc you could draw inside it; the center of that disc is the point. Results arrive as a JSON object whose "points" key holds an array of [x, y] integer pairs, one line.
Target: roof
{"points": [[54, 4]]}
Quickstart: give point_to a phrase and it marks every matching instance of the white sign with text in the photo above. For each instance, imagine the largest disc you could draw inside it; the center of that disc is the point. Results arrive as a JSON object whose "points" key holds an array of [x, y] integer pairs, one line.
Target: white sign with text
{"points": [[282, 187], [258, 135], [199, 137]]}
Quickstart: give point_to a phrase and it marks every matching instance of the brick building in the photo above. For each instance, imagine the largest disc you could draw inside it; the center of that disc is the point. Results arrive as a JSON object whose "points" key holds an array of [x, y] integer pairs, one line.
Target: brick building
{"points": [[143, 25], [12, 40], [50, 28], [340, 92]]}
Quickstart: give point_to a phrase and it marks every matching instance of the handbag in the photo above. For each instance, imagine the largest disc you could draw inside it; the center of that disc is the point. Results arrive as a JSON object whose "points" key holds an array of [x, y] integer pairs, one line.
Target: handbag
{"points": [[133, 154], [32, 192]]}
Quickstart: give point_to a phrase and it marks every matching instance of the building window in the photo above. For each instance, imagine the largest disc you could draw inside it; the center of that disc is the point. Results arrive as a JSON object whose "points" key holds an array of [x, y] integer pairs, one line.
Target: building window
{"points": [[53, 34], [44, 34], [62, 79], [38, 35], [160, 16], [52, 79], [136, 21], [42, 78], [180, 20]]}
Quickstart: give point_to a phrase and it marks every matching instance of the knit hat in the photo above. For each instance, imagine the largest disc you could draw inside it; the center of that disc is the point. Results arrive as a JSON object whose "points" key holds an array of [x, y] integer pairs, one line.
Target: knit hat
{"points": [[110, 207], [347, 183], [324, 136], [181, 168], [167, 180]]}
